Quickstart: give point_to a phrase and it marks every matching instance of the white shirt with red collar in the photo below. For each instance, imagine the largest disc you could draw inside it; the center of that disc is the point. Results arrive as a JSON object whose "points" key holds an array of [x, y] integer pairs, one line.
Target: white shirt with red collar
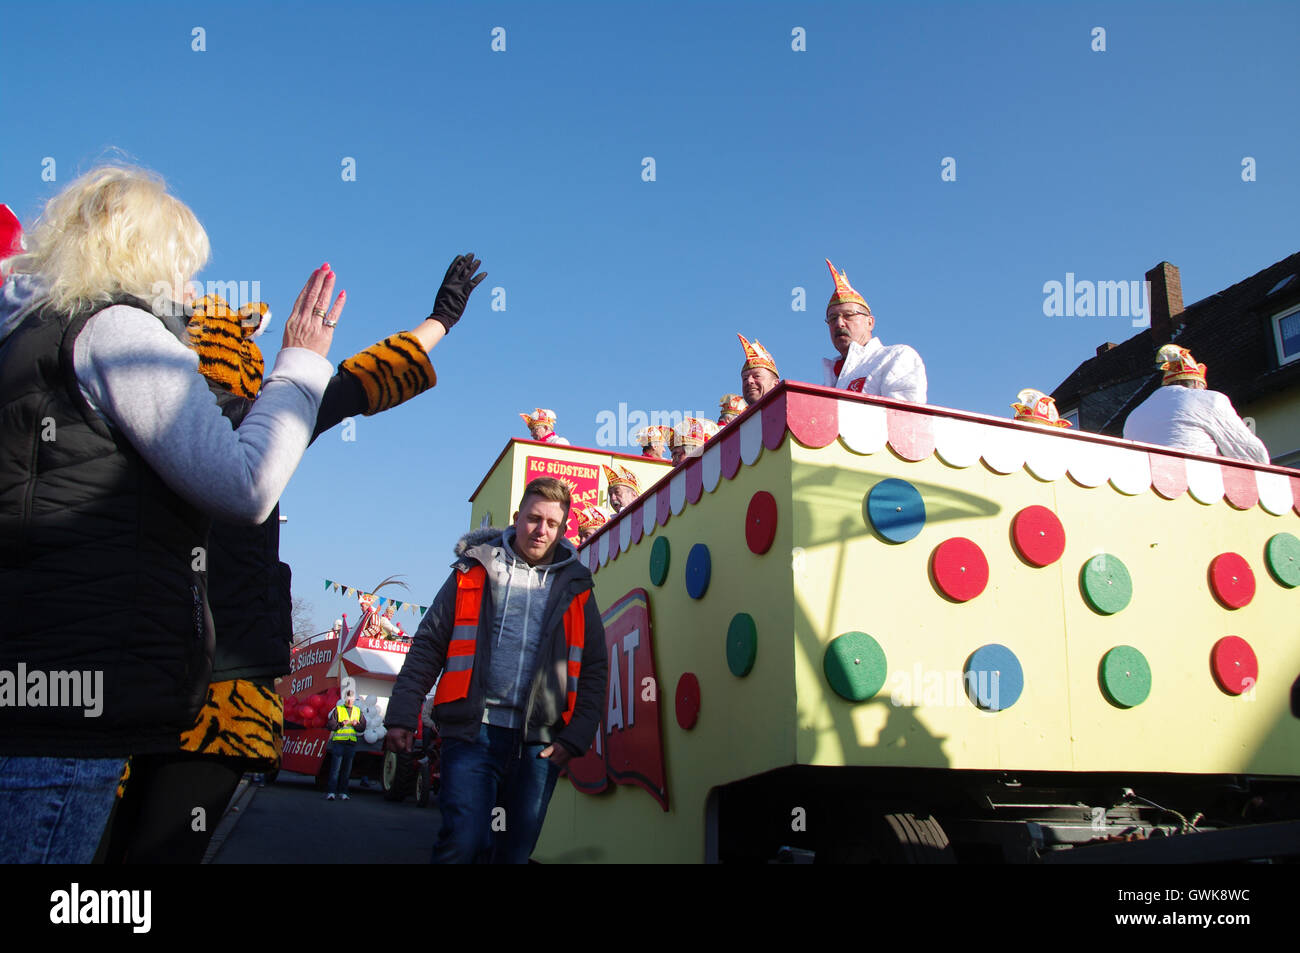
{"points": [[895, 371], [554, 438]]}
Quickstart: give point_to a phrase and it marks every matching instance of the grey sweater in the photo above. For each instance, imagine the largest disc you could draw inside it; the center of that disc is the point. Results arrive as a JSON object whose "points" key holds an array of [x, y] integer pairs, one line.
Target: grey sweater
{"points": [[519, 594], [145, 382]]}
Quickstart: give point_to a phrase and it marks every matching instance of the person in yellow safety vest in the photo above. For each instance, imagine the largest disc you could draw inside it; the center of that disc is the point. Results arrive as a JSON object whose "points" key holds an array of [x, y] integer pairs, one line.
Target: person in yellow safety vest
{"points": [[344, 722]]}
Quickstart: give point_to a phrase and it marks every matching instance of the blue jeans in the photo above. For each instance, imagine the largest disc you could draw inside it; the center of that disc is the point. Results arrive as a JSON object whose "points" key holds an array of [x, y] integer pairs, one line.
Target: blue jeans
{"points": [[54, 810], [341, 754], [478, 777]]}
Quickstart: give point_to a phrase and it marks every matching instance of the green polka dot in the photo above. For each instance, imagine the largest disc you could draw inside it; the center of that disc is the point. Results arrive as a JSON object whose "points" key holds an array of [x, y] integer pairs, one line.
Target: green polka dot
{"points": [[1125, 676], [1106, 584], [855, 666], [1282, 554], [659, 561], [742, 644]]}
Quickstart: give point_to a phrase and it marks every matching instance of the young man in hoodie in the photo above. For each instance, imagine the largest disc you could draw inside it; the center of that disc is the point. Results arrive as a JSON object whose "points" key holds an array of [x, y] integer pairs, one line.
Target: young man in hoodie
{"points": [[517, 639]]}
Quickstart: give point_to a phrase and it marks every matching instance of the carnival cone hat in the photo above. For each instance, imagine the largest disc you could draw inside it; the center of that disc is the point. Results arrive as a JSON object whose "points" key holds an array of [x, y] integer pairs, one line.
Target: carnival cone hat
{"points": [[621, 477], [1035, 407], [1179, 365], [756, 356], [844, 291]]}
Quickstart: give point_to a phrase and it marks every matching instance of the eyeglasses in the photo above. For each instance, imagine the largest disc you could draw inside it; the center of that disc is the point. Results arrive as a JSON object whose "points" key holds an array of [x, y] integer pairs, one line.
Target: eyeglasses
{"points": [[831, 319]]}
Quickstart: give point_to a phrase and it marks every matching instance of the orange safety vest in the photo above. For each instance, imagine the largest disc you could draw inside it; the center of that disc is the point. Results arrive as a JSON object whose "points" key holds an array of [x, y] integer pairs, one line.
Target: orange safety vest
{"points": [[459, 666]]}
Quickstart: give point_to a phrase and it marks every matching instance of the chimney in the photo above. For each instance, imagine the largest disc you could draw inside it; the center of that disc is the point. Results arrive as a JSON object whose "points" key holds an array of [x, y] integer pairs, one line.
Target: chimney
{"points": [[1166, 302], [1103, 348]]}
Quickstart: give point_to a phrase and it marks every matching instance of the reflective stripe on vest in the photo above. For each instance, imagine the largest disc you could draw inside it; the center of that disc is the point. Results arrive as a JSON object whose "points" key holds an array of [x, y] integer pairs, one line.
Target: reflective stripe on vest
{"points": [[344, 732], [575, 634], [459, 665]]}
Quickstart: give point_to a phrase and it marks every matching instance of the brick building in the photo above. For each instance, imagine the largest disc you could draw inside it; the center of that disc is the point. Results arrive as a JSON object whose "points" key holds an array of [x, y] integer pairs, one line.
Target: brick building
{"points": [[1248, 335]]}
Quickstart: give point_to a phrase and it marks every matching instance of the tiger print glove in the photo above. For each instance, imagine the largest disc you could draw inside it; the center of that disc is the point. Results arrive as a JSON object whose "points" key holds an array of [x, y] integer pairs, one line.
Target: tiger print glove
{"points": [[392, 371]]}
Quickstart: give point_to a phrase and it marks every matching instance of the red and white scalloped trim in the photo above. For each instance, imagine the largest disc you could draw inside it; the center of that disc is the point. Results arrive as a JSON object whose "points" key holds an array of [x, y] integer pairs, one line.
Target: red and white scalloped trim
{"points": [[817, 416]]}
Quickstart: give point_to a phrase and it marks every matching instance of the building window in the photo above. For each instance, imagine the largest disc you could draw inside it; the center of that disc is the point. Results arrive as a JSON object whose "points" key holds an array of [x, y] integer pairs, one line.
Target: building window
{"points": [[1286, 332], [1073, 417]]}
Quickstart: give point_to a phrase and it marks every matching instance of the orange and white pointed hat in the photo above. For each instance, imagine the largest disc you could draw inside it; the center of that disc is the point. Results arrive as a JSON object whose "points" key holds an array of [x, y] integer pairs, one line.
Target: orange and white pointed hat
{"points": [[540, 416], [655, 433], [621, 477], [843, 290], [731, 406], [1179, 365], [691, 432], [590, 517], [1035, 407], [756, 356]]}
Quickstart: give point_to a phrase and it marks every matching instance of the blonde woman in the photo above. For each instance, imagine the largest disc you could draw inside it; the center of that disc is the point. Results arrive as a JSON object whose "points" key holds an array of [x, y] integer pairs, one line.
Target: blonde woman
{"points": [[113, 457]]}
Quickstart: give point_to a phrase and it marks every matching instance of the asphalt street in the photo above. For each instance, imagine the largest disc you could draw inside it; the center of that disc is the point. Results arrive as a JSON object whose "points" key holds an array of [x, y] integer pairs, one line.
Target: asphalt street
{"points": [[289, 822]]}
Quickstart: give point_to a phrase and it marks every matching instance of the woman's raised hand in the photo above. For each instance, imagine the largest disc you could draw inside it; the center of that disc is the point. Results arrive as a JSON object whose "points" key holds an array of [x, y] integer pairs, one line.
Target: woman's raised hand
{"points": [[310, 324]]}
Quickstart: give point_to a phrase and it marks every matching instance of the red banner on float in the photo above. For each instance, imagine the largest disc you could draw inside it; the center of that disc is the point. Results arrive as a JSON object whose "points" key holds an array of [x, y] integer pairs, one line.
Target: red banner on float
{"points": [[583, 480], [628, 748], [309, 668]]}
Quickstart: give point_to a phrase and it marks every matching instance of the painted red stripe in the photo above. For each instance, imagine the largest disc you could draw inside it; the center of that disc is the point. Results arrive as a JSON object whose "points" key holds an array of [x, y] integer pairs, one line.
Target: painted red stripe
{"points": [[910, 435], [1239, 486], [774, 423], [694, 481], [1168, 475], [813, 420], [731, 452]]}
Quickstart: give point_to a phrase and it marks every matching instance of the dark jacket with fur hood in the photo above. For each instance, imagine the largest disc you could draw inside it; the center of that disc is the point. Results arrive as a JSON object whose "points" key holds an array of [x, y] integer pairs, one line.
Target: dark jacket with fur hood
{"points": [[547, 695]]}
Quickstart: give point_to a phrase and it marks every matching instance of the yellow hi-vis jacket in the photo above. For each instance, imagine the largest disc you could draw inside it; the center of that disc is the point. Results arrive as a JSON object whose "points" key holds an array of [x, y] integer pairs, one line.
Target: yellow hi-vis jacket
{"points": [[345, 732]]}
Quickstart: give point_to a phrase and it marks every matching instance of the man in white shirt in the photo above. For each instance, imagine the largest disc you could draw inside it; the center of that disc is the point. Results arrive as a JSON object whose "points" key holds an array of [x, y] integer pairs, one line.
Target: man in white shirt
{"points": [[1184, 415], [865, 365]]}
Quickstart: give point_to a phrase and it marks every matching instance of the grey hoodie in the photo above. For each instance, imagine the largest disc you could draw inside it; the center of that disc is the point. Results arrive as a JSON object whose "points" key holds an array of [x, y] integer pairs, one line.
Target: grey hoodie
{"points": [[519, 593], [544, 679], [146, 383]]}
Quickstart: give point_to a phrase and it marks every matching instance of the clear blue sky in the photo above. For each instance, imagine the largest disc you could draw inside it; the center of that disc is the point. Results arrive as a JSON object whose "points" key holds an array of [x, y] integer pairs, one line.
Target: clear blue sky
{"points": [[767, 160]]}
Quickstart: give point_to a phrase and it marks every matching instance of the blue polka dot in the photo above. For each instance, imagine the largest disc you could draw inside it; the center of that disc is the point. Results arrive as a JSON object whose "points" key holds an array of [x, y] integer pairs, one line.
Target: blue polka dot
{"points": [[698, 569]]}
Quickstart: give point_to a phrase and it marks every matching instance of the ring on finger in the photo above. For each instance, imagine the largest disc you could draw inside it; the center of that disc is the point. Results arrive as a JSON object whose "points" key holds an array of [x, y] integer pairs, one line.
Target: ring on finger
{"points": [[319, 312], [331, 324]]}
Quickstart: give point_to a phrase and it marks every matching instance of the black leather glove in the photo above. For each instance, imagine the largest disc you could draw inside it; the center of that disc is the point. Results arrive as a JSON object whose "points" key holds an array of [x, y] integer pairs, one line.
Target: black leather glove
{"points": [[456, 287]]}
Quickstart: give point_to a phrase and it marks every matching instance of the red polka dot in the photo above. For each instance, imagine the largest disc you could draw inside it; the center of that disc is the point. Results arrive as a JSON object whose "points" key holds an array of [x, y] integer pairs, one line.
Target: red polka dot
{"points": [[760, 522], [688, 700], [960, 570], [1232, 580], [1038, 535], [1234, 664]]}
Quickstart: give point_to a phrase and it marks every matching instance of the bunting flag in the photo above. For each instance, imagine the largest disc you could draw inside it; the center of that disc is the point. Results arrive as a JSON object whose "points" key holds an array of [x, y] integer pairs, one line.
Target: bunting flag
{"points": [[347, 591]]}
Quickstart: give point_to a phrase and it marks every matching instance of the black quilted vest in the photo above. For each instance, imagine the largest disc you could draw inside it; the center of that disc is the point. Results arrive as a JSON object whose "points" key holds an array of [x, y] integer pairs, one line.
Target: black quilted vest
{"points": [[98, 568]]}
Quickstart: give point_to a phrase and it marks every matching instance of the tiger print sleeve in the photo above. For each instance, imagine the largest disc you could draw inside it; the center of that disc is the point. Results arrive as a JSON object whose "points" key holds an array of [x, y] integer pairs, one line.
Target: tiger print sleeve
{"points": [[391, 372]]}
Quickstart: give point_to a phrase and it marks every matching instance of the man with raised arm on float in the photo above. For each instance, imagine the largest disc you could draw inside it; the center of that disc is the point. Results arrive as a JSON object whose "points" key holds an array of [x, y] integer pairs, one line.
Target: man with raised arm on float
{"points": [[518, 641], [865, 365]]}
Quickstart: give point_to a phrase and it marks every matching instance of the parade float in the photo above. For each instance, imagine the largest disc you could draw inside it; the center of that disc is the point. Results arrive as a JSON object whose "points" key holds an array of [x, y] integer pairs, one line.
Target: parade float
{"points": [[371, 656], [858, 629]]}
